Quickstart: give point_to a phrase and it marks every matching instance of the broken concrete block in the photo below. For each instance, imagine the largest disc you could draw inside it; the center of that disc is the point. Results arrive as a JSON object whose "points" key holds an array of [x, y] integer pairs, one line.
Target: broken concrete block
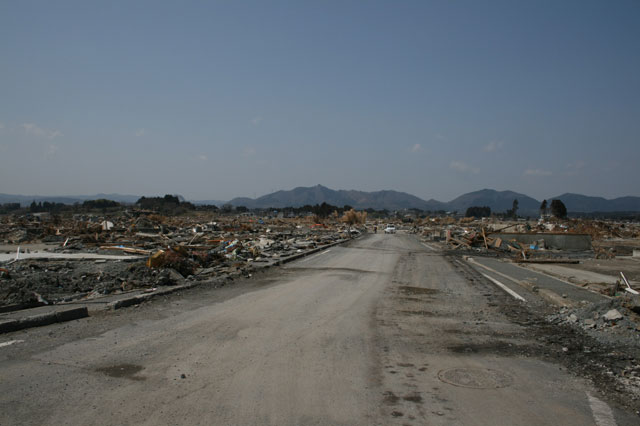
{"points": [[613, 315]]}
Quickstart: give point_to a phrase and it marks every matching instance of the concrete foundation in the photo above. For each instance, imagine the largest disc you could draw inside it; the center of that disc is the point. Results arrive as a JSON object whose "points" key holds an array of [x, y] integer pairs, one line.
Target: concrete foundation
{"points": [[552, 241]]}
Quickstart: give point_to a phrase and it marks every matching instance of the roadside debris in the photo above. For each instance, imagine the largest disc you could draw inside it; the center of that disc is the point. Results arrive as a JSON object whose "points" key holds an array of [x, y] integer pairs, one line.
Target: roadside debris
{"points": [[164, 250], [582, 245]]}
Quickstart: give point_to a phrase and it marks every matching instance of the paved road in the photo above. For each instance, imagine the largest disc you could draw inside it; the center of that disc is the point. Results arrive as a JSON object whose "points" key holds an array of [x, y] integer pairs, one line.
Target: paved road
{"points": [[379, 332]]}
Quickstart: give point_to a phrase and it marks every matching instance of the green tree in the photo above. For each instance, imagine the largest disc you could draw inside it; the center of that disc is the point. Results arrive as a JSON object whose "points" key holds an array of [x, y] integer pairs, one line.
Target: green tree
{"points": [[558, 209], [543, 208], [475, 211]]}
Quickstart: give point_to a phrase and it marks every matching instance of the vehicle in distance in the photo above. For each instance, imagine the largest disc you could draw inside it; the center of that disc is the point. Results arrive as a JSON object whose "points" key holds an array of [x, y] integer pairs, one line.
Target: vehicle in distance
{"points": [[390, 229]]}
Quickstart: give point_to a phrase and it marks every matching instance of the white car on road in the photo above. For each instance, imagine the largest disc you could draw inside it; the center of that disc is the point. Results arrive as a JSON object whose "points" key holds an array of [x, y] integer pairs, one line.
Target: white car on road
{"points": [[390, 229]]}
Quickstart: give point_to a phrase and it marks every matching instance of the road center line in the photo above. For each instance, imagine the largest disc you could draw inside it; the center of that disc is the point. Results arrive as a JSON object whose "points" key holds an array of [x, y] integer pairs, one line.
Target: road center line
{"points": [[429, 247], [602, 413], [471, 260], [504, 287], [313, 257]]}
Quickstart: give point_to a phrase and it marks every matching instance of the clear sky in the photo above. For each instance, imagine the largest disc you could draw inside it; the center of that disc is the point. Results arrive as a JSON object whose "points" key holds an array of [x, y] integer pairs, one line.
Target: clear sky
{"points": [[218, 99]]}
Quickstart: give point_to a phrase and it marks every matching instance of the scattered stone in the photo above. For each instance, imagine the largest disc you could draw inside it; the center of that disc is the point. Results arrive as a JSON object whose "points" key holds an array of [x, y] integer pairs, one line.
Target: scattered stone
{"points": [[613, 315]]}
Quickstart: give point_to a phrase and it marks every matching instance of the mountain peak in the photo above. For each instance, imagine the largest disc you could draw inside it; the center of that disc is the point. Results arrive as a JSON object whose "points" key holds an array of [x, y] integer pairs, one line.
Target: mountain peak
{"points": [[318, 194]]}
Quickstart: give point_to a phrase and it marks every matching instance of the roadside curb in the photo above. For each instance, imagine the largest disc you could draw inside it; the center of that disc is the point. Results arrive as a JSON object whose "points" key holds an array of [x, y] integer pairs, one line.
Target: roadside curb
{"points": [[61, 315], [310, 252], [140, 298], [555, 299]]}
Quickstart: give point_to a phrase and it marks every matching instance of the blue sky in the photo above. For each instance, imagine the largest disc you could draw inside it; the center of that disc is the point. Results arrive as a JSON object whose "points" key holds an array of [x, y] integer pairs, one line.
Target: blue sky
{"points": [[217, 99]]}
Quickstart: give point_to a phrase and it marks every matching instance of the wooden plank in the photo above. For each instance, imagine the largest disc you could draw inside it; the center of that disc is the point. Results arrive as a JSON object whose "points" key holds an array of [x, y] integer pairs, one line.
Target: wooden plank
{"points": [[498, 243], [462, 243], [130, 250]]}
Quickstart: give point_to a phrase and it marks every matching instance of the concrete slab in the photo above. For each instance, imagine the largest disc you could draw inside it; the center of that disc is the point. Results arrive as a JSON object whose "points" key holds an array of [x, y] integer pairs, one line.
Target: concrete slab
{"points": [[71, 256], [557, 241]]}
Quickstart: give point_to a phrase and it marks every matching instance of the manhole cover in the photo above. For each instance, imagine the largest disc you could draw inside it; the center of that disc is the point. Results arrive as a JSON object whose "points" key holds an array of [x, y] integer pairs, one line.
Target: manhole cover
{"points": [[476, 378]]}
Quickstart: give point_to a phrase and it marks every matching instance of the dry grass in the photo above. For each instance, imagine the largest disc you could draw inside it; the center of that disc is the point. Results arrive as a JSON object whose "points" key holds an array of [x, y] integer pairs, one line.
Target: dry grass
{"points": [[353, 217]]}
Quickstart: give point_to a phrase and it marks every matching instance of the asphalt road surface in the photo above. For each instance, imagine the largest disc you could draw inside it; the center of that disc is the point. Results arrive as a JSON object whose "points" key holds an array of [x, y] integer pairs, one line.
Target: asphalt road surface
{"points": [[381, 331]]}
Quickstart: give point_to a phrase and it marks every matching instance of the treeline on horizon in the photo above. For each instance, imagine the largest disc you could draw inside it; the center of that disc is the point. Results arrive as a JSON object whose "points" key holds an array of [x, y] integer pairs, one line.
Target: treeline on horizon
{"points": [[172, 205], [556, 208]]}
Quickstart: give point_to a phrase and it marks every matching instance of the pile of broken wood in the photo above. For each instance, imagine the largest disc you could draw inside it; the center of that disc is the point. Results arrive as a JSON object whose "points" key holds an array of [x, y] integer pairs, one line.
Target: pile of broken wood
{"points": [[470, 239]]}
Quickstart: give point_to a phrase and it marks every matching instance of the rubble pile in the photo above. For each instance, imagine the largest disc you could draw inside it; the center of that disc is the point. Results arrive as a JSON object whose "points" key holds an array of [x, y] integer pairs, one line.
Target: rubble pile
{"points": [[601, 230], [33, 283], [482, 236], [611, 320], [469, 235], [462, 237]]}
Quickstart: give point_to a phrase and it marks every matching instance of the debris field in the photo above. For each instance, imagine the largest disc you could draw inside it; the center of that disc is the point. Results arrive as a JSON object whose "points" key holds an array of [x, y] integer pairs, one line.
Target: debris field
{"points": [[44, 264]]}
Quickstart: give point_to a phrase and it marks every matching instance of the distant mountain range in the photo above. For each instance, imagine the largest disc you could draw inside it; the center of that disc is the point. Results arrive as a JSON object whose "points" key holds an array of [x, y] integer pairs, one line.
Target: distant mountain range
{"points": [[584, 204], [498, 201]]}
